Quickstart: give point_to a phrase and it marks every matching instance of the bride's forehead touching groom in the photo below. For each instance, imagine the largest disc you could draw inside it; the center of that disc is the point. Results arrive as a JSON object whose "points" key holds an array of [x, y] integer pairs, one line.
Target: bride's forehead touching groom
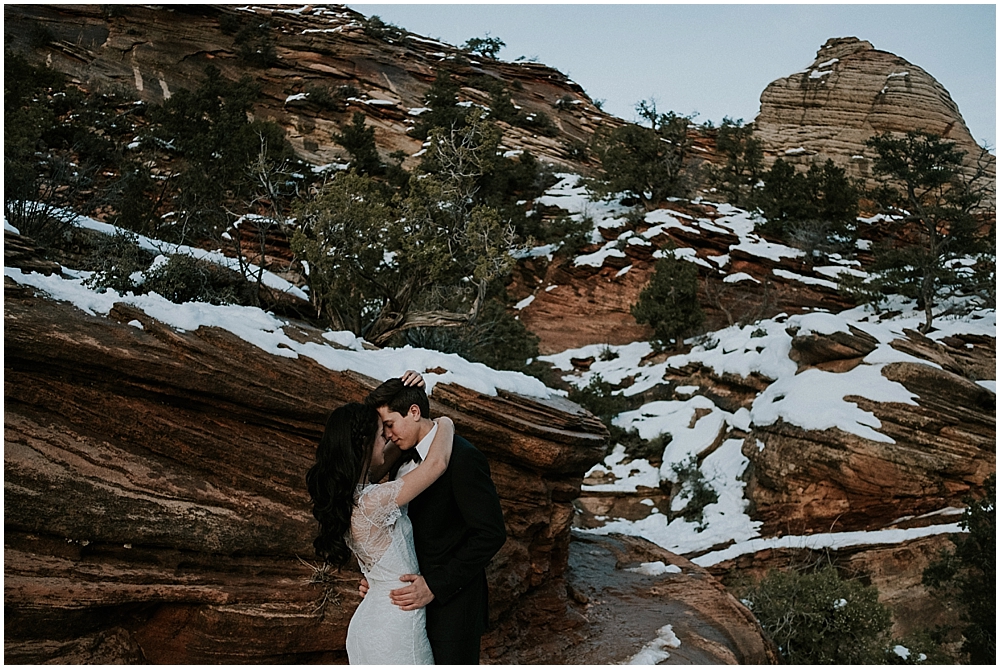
{"points": [[423, 537]]}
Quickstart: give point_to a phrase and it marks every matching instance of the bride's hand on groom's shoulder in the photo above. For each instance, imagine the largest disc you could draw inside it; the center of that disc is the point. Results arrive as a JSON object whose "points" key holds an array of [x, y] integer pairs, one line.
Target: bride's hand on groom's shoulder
{"points": [[412, 378]]}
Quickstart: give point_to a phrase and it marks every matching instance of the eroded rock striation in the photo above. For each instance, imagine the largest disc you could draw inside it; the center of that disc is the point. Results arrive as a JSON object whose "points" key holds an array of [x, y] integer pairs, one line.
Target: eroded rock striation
{"points": [[574, 304], [155, 504], [156, 511], [853, 91], [324, 66], [936, 451]]}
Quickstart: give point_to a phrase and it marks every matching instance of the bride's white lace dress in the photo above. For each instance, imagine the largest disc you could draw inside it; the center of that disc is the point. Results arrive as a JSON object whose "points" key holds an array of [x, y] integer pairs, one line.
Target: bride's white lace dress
{"points": [[382, 539]]}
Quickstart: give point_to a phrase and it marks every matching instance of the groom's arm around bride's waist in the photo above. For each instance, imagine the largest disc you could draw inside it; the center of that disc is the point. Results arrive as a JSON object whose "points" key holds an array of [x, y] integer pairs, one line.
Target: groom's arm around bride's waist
{"points": [[479, 527]]}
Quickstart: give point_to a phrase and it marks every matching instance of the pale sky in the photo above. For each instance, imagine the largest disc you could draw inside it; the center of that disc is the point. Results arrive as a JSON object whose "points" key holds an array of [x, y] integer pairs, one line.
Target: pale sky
{"points": [[717, 59]]}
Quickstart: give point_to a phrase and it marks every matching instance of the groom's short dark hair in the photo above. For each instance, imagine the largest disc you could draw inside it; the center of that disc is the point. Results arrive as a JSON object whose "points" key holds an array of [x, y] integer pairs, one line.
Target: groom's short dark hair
{"points": [[399, 398]]}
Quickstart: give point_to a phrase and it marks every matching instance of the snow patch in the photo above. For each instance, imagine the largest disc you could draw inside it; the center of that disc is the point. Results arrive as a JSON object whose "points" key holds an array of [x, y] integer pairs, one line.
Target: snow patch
{"points": [[525, 302], [739, 276], [835, 540], [654, 652], [655, 569], [265, 331]]}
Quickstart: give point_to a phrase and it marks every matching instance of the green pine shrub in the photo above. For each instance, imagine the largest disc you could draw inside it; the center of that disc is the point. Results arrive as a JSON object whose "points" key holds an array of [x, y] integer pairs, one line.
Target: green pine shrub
{"points": [[935, 203], [818, 208], [647, 163], [967, 576], [539, 122], [183, 278], [922, 647], [600, 399], [254, 43], [737, 178], [442, 107], [497, 339], [638, 448], [359, 140], [669, 303], [211, 132], [117, 260], [693, 489], [818, 617], [570, 234], [487, 46], [375, 27]]}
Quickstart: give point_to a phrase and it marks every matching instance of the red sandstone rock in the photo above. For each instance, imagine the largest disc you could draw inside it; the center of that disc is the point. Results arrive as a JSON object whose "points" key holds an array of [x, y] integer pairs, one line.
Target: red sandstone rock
{"points": [[624, 609], [155, 505], [942, 449], [155, 51], [849, 93], [156, 509]]}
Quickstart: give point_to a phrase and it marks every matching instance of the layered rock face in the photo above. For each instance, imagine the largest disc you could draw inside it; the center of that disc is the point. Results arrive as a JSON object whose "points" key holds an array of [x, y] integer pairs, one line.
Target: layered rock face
{"points": [[156, 509], [578, 304], [851, 92], [805, 481], [155, 504], [606, 576], [152, 52]]}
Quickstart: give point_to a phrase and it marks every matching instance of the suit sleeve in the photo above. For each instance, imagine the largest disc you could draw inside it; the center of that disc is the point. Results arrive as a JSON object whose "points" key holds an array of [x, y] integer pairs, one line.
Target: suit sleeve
{"points": [[485, 533]]}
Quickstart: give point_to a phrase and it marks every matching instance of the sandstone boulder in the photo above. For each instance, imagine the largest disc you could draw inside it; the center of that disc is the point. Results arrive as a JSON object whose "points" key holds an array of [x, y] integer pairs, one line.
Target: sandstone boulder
{"points": [[625, 604], [849, 93], [155, 510], [940, 450], [155, 505]]}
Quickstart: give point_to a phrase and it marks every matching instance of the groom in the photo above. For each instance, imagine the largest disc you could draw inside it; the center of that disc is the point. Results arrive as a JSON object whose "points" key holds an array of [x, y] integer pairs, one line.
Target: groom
{"points": [[457, 527]]}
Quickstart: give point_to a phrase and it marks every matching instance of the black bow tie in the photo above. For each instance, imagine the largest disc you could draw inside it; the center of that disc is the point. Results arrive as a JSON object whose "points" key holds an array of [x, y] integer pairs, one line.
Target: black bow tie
{"points": [[410, 455]]}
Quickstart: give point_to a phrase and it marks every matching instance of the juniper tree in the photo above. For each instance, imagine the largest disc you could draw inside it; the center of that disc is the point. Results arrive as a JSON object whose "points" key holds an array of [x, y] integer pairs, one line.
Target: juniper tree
{"points": [[968, 575], [646, 162], [940, 242], [442, 107], [818, 617], [497, 339], [212, 134], [485, 46], [669, 303], [822, 198], [371, 253], [739, 175], [359, 140]]}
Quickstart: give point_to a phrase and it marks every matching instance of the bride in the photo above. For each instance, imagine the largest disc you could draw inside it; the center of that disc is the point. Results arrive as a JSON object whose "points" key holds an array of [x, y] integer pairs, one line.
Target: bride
{"points": [[370, 520]]}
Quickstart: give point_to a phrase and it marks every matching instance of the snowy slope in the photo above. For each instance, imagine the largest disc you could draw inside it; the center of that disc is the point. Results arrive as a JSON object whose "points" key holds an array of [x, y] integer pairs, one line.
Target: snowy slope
{"points": [[813, 399], [264, 330]]}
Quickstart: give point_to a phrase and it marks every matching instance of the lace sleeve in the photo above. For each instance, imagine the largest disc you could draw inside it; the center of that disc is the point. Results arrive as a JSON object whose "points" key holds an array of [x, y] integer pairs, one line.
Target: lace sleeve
{"points": [[377, 503], [372, 521]]}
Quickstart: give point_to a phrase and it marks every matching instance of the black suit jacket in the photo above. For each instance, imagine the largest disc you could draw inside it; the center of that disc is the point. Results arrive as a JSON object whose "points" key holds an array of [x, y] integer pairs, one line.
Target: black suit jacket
{"points": [[457, 529]]}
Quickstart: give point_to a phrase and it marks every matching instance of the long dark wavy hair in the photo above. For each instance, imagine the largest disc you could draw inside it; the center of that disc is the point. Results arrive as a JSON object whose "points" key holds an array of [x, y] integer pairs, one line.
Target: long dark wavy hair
{"points": [[342, 458]]}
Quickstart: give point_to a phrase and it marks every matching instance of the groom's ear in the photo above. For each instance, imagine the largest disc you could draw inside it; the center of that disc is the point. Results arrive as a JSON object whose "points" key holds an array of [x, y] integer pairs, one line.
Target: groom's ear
{"points": [[414, 412]]}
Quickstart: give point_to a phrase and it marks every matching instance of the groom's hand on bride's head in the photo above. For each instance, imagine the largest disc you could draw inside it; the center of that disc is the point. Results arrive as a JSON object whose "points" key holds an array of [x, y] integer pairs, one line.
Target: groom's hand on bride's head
{"points": [[414, 596]]}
